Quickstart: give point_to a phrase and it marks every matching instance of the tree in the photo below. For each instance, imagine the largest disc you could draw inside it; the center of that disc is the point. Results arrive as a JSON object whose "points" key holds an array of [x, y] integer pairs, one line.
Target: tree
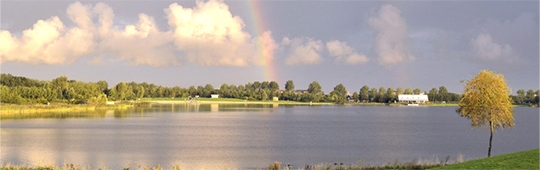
{"points": [[256, 86], [417, 91], [208, 90], [274, 86], [486, 102], [390, 95], [408, 90], [520, 96], [537, 97], [356, 96], [60, 85], [192, 91], [113, 94], [530, 96], [289, 90], [443, 93], [122, 91], [140, 92], [399, 91], [200, 91], [373, 95], [433, 94], [289, 85], [264, 85], [314, 88], [364, 93], [382, 95], [224, 90], [315, 91], [233, 91], [264, 96], [103, 85], [339, 94]]}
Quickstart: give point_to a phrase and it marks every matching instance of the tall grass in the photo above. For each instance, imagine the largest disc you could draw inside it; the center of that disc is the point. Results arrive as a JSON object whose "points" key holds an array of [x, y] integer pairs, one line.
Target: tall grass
{"points": [[361, 165]]}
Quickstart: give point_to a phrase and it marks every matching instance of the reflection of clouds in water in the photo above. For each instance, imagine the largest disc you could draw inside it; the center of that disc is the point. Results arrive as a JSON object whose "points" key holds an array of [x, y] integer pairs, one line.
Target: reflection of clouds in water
{"points": [[242, 138]]}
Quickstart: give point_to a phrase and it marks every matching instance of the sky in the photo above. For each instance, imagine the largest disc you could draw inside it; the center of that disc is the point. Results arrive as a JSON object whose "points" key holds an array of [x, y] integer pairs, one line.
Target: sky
{"points": [[416, 44]]}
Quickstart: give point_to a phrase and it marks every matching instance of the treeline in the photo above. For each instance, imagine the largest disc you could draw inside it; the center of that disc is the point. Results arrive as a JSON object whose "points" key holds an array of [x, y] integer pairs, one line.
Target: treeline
{"points": [[529, 97], [18, 90]]}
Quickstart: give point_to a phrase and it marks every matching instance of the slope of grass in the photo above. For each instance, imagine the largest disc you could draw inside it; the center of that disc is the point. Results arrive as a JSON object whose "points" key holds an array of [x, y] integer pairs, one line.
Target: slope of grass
{"points": [[517, 160]]}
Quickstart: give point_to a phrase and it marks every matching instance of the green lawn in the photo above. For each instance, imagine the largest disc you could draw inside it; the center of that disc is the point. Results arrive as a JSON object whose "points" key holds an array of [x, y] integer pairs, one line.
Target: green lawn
{"points": [[517, 160]]}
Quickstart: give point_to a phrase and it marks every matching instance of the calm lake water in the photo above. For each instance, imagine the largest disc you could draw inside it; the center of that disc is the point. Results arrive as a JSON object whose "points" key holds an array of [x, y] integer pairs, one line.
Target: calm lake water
{"points": [[253, 136]]}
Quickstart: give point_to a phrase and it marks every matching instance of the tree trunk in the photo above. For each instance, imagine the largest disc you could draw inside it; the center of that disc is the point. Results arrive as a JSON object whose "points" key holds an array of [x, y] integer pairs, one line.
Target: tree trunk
{"points": [[490, 138]]}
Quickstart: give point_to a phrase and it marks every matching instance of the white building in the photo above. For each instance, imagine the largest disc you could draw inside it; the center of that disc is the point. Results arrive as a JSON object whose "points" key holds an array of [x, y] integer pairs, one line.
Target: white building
{"points": [[214, 96], [413, 98]]}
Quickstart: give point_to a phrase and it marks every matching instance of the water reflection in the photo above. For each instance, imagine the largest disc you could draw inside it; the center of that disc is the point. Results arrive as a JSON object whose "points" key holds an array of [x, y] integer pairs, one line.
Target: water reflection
{"points": [[141, 110], [218, 136]]}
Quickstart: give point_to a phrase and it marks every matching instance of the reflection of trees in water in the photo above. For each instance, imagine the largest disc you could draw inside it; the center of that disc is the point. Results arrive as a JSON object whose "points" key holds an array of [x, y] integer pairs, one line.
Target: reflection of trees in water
{"points": [[56, 115], [98, 113], [139, 111]]}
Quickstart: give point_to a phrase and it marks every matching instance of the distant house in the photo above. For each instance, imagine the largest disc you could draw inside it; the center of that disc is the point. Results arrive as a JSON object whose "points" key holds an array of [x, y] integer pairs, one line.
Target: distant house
{"points": [[413, 98], [275, 99], [214, 96]]}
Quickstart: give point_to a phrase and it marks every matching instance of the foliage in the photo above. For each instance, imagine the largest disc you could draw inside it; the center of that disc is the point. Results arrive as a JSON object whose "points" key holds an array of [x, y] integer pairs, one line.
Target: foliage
{"points": [[486, 103], [22, 90], [339, 94], [274, 166], [529, 97], [364, 93]]}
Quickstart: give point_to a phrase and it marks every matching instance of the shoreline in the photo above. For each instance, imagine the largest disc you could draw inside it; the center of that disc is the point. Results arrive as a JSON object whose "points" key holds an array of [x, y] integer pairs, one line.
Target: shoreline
{"points": [[526, 159], [6, 109], [234, 102]]}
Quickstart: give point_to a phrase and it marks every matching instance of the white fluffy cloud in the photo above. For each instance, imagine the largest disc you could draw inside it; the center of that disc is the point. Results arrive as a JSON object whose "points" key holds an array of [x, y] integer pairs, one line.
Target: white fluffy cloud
{"points": [[304, 51], [391, 42], [483, 47], [207, 34], [48, 41], [142, 44], [345, 54], [210, 35]]}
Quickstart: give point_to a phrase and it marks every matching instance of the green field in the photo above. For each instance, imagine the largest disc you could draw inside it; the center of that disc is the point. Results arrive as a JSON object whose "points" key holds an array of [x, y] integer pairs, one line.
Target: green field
{"points": [[517, 160]]}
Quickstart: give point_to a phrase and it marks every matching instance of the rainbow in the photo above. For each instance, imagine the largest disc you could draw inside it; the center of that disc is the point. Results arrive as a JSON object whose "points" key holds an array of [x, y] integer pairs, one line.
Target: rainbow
{"points": [[264, 43]]}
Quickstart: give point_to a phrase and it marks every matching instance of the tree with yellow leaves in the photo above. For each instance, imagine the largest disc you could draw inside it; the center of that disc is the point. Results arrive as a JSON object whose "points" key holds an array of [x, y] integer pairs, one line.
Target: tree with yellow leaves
{"points": [[486, 102]]}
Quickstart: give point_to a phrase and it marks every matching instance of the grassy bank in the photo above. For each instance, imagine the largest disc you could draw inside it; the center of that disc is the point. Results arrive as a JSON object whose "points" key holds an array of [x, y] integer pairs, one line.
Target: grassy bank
{"points": [[517, 160]]}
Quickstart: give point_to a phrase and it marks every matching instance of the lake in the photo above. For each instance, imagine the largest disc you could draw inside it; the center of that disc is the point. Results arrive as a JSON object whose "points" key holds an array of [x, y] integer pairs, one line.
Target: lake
{"points": [[247, 136]]}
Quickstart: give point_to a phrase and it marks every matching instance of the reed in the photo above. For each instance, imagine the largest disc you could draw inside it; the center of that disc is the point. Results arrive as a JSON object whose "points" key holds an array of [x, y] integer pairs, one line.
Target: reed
{"points": [[433, 162]]}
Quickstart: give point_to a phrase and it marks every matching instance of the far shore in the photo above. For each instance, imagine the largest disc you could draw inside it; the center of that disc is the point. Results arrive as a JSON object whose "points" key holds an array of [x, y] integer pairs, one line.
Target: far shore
{"points": [[233, 102], [63, 107]]}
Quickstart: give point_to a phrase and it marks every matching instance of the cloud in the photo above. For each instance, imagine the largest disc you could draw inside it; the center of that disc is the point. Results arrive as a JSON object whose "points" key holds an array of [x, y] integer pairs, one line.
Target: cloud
{"points": [[505, 44], [391, 42], [210, 35], [266, 46], [207, 34], [142, 44], [483, 47], [48, 41], [303, 51], [345, 54]]}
